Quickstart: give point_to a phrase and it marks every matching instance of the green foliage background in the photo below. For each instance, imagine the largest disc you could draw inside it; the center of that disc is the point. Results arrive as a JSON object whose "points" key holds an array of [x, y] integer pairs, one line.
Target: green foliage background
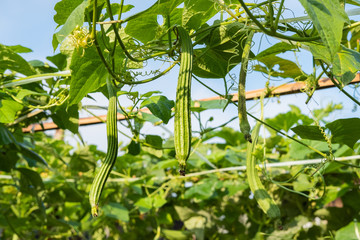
{"points": [[44, 181]]}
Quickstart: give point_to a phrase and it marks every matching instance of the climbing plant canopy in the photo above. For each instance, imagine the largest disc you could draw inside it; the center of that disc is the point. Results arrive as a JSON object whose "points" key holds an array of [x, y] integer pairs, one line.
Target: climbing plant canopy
{"points": [[292, 176]]}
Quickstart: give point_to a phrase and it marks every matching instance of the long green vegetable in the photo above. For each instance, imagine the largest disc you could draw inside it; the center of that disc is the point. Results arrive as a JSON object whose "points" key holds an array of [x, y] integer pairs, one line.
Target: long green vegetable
{"points": [[183, 100], [243, 120], [263, 198], [112, 150]]}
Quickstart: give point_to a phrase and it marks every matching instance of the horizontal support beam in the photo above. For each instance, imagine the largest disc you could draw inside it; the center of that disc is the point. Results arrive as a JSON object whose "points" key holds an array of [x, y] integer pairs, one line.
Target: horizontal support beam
{"points": [[285, 89]]}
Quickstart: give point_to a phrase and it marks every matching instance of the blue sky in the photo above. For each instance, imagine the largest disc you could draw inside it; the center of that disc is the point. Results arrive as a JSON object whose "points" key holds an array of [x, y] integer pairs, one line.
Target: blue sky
{"points": [[30, 23]]}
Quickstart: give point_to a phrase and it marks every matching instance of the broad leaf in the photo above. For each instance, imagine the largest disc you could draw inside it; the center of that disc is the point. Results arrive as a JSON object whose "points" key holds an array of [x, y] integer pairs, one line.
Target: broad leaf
{"points": [[116, 211], [6, 136], [63, 10], [328, 18], [88, 74], [345, 63], [30, 181], [76, 18], [144, 28], [212, 104], [8, 110], [176, 234], [222, 51], [345, 131], [20, 49], [10, 60], [308, 132], [283, 121], [67, 118], [350, 231], [278, 67], [277, 48], [160, 106], [197, 13]]}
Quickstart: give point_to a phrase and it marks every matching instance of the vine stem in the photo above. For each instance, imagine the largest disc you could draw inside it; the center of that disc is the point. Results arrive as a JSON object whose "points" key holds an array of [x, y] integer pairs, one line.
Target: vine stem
{"points": [[271, 33]]}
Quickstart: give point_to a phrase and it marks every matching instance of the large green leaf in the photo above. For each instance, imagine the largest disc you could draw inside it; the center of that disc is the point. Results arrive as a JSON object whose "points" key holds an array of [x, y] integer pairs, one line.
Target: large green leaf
{"points": [[277, 48], [349, 232], [67, 118], [63, 10], [197, 13], [8, 110], [212, 104], [6, 136], [160, 106], [144, 26], [278, 67], [223, 51], [308, 132], [88, 74], [10, 60], [283, 121], [345, 131], [30, 181], [345, 63], [76, 18], [328, 18], [176, 234], [116, 211]]}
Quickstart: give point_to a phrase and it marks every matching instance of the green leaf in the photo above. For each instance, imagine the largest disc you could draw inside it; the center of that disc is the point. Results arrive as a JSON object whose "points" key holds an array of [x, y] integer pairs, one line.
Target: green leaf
{"points": [[59, 60], [235, 187], [20, 49], [184, 212], [63, 10], [277, 48], [176, 234], [278, 67], [222, 51], [212, 104], [88, 74], [197, 13], [31, 156], [308, 132], [144, 28], [154, 145], [160, 106], [10, 60], [8, 110], [345, 65], [328, 18], [67, 118], [283, 121], [116, 211], [144, 204], [159, 200], [9, 157], [6, 136], [345, 131], [76, 18], [349, 232], [203, 190], [30, 181]]}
